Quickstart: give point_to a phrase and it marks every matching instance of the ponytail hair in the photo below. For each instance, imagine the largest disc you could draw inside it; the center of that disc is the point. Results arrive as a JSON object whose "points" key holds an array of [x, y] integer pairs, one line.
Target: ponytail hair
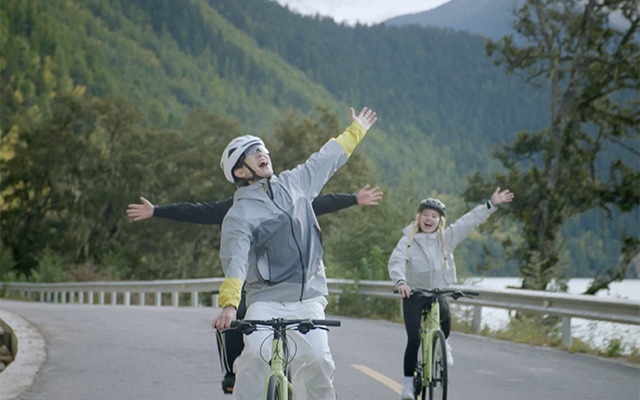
{"points": [[441, 230], [415, 227]]}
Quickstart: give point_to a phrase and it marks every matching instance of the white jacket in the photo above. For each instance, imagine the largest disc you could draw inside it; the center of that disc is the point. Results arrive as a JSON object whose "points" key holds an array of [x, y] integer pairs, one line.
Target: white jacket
{"points": [[425, 267]]}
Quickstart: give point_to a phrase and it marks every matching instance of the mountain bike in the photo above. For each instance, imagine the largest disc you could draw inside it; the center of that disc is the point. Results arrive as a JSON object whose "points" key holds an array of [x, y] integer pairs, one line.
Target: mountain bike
{"points": [[278, 384], [431, 369]]}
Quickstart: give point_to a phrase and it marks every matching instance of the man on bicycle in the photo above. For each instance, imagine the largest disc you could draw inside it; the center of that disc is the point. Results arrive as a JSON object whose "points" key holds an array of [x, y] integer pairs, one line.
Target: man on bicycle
{"points": [[271, 242], [232, 344]]}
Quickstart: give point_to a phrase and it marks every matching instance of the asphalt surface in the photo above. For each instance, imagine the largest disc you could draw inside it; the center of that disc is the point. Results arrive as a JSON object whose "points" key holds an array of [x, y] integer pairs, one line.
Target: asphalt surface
{"points": [[117, 352]]}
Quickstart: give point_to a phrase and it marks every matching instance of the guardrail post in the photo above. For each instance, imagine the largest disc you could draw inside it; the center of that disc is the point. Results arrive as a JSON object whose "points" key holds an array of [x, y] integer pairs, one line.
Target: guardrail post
{"points": [[141, 298], [158, 299], [175, 300], [566, 332], [114, 298], [127, 298], [101, 298], [43, 295], [56, 297], [214, 301], [194, 299], [81, 297], [72, 297], [90, 298], [477, 319], [63, 297]]}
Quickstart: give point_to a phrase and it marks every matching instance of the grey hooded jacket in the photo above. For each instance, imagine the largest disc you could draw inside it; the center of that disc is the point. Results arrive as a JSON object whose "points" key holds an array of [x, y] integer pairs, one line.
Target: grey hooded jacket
{"points": [[271, 239], [425, 267]]}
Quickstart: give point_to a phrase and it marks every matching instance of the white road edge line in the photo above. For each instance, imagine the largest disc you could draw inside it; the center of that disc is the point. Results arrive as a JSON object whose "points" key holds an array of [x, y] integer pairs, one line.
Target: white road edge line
{"points": [[388, 382], [22, 371]]}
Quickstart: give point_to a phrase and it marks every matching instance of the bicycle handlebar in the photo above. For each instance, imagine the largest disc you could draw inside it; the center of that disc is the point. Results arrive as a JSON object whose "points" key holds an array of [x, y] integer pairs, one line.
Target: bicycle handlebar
{"points": [[276, 322], [455, 293], [247, 326]]}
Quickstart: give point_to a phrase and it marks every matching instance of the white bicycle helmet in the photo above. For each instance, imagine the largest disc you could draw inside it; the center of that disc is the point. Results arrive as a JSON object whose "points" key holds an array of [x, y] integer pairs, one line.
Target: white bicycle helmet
{"points": [[432, 204], [234, 151]]}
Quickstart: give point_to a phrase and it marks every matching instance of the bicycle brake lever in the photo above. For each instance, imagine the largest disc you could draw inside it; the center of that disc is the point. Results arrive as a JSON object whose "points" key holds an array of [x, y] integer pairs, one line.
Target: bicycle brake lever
{"points": [[305, 327], [246, 328]]}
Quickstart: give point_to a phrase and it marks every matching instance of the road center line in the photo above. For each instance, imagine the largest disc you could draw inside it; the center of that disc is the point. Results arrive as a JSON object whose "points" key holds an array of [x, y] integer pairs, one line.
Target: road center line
{"points": [[388, 382]]}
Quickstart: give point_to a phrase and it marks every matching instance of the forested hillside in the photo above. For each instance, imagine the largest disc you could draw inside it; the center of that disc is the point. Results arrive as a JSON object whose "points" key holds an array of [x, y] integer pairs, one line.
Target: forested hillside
{"points": [[142, 80], [442, 101]]}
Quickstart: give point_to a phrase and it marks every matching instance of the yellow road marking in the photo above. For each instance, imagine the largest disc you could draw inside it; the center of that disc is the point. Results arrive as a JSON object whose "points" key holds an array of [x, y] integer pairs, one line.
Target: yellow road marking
{"points": [[388, 382]]}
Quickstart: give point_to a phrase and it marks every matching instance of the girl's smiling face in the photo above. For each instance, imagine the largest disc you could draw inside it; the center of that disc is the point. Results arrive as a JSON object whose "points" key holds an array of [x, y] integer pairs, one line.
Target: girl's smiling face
{"points": [[429, 220]]}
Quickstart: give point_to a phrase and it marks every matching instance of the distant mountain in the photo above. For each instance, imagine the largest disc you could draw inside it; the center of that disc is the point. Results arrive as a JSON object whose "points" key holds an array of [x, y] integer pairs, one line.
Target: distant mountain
{"points": [[490, 18]]}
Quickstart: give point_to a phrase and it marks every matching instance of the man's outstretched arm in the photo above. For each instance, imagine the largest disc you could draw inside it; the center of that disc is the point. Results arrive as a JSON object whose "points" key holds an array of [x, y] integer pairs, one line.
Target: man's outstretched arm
{"points": [[327, 203], [195, 213]]}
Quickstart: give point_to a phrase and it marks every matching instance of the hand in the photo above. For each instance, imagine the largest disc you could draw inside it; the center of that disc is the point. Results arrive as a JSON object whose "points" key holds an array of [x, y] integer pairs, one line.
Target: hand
{"points": [[499, 197], [366, 118], [140, 211], [369, 197], [404, 291], [224, 319]]}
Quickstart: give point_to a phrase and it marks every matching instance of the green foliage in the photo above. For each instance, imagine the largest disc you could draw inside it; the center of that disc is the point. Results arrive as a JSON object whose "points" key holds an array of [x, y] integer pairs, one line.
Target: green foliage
{"points": [[614, 347], [7, 265], [75, 149], [51, 267], [416, 78], [531, 329], [70, 178], [577, 164]]}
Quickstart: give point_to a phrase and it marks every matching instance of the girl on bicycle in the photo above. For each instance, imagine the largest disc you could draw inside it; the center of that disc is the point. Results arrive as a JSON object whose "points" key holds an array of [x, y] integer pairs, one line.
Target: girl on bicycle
{"points": [[423, 258]]}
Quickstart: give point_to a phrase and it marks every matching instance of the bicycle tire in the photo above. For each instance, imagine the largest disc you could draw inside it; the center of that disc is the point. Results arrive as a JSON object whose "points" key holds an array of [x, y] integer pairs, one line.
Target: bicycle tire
{"points": [[273, 389], [439, 381], [419, 390]]}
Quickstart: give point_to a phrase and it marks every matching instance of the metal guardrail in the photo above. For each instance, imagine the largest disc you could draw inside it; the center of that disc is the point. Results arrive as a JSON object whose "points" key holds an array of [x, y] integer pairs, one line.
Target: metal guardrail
{"points": [[563, 305]]}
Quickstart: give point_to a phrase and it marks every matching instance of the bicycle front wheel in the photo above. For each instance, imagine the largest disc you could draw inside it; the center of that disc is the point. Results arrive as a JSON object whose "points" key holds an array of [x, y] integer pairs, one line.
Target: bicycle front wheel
{"points": [[419, 390], [438, 385]]}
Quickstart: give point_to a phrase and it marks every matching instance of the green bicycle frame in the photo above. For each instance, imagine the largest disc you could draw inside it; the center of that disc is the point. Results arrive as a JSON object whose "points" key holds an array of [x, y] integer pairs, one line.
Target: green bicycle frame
{"points": [[430, 327], [278, 368]]}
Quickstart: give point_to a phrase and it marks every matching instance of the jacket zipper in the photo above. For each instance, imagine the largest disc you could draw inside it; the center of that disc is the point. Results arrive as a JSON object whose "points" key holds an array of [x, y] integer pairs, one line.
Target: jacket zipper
{"points": [[269, 191]]}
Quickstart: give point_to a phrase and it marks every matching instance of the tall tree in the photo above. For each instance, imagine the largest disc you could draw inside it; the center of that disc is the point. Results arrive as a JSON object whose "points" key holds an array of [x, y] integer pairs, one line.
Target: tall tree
{"points": [[587, 158]]}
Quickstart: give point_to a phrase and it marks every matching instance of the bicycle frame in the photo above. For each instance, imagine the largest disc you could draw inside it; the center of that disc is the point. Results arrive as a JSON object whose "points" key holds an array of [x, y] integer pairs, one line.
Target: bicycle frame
{"points": [[279, 365], [430, 327]]}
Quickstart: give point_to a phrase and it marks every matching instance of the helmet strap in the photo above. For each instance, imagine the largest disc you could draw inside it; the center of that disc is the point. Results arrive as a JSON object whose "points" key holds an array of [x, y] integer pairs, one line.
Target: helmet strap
{"points": [[253, 177]]}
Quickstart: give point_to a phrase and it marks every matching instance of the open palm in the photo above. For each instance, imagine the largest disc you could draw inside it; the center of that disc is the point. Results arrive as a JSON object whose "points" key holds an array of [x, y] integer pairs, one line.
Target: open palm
{"points": [[366, 118]]}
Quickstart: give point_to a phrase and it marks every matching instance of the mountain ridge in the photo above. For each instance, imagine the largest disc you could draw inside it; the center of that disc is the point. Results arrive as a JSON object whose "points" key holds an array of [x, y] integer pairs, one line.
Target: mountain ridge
{"points": [[489, 18]]}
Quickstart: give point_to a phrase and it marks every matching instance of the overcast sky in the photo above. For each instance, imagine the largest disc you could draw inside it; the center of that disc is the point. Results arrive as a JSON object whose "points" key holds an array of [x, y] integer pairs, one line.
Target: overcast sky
{"points": [[366, 11]]}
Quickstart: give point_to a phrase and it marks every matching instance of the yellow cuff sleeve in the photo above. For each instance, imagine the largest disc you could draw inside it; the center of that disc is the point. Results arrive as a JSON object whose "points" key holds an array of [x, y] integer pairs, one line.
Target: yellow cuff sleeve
{"points": [[350, 138], [230, 292]]}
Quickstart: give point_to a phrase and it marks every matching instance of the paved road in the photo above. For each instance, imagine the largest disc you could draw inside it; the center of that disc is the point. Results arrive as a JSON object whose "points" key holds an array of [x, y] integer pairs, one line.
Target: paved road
{"points": [[107, 352]]}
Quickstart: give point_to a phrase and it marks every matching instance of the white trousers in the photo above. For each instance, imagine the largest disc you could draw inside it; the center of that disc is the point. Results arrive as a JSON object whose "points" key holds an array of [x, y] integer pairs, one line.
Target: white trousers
{"points": [[312, 367]]}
